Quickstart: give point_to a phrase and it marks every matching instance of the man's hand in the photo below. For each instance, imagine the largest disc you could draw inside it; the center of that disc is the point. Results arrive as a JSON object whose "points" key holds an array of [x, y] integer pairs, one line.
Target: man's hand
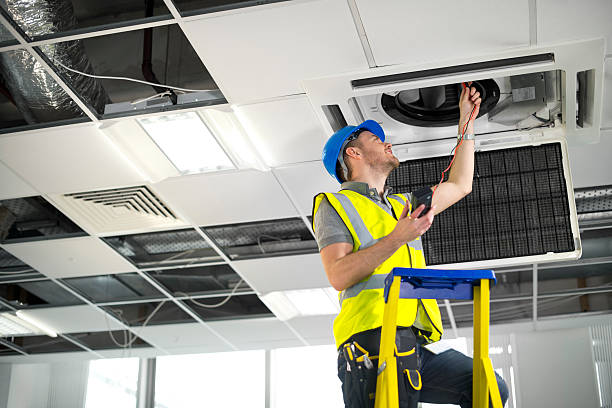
{"points": [[468, 99], [409, 228]]}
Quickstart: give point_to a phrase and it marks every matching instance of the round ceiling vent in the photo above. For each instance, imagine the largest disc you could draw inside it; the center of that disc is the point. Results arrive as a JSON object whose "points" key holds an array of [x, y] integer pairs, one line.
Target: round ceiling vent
{"points": [[436, 106]]}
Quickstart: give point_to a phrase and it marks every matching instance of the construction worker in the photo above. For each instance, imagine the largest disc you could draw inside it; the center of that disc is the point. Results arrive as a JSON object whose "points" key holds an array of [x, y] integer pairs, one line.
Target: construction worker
{"points": [[363, 232]]}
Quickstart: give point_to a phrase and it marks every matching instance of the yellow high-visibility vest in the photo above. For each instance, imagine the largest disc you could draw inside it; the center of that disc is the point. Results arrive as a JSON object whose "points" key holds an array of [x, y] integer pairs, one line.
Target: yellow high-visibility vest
{"points": [[362, 305]]}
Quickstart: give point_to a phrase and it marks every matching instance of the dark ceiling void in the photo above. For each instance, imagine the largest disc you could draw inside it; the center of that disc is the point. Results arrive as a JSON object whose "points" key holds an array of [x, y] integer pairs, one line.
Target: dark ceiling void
{"points": [[136, 314], [106, 340], [34, 218], [438, 105], [237, 307], [51, 18], [160, 55], [518, 206], [36, 294], [262, 239], [193, 7], [41, 344], [7, 351], [209, 280], [166, 248], [13, 269], [114, 288]]}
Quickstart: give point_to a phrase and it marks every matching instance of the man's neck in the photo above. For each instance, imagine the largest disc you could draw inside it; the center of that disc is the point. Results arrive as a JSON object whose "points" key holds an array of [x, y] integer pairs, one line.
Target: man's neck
{"points": [[377, 182]]}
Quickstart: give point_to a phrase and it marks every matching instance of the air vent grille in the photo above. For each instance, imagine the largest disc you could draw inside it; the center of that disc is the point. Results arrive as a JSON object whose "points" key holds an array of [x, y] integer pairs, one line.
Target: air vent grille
{"points": [[119, 209], [264, 238], [518, 206]]}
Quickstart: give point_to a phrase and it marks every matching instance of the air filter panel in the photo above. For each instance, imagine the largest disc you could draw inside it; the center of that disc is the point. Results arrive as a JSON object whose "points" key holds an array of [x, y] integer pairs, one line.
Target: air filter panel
{"points": [[519, 207]]}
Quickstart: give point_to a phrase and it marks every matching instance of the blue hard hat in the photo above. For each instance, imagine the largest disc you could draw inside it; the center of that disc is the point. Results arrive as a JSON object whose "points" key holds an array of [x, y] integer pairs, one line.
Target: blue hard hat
{"points": [[334, 144]]}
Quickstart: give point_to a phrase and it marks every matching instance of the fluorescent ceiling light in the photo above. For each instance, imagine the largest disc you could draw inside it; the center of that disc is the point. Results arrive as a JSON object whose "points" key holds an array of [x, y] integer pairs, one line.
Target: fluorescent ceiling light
{"points": [[21, 324], [187, 142], [11, 325], [36, 323], [306, 302]]}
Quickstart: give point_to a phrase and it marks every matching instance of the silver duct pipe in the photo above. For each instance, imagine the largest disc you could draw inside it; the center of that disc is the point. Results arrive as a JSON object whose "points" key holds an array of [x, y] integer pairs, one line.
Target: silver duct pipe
{"points": [[37, 96]]}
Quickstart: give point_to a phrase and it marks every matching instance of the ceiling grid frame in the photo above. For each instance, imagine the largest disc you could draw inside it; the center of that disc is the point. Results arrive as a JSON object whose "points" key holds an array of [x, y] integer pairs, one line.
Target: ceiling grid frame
{"points": [[4, 20], [223, 256]]}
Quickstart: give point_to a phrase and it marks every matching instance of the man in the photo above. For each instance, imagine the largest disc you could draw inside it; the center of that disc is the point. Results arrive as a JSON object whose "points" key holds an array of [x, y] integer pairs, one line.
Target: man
{"points": [[363, 231]]}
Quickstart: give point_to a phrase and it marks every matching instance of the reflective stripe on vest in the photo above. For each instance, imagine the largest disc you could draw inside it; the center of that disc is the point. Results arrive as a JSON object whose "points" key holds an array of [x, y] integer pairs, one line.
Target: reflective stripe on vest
{"points": [[362, 305], [366, 239]]}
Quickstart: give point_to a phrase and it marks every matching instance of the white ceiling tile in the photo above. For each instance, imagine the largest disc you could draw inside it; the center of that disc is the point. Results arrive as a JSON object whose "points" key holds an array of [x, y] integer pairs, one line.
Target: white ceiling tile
{"points": [[215, 199], [304, 180], [12, 185], [183, 336], [415, 32], [606, 112], [560, 21], [70, 257], [315, 329], [67, 159], [75, 319], [590, 164], [260, 53], [283, 273], [264, 333], [284, 131]]}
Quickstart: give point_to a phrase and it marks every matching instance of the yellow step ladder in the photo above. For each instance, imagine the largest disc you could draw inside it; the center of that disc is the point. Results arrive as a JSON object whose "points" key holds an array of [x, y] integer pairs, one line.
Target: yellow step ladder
{"points": [[437, 284]]}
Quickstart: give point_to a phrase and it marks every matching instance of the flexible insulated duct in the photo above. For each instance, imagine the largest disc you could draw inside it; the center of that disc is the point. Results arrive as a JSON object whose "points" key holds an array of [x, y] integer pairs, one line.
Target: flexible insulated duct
{"points": [[37, 96]]}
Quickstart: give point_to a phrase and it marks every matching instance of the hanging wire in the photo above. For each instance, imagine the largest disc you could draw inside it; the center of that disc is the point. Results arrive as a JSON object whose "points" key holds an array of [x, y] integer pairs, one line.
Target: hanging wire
{"points": [[213, 306], [130, 79]]}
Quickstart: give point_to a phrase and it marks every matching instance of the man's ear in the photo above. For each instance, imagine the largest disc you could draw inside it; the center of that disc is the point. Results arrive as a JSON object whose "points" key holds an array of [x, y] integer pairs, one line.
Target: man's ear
{"points": [[352, 152]]}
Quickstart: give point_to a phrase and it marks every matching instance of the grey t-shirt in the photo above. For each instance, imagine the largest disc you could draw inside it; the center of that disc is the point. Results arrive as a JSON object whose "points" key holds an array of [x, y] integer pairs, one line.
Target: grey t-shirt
{"points": [[329, 227]]}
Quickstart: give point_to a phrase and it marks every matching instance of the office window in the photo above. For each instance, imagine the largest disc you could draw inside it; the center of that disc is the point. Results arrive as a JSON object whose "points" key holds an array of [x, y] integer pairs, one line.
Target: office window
{"points": [[228, 380], [112, 383]]}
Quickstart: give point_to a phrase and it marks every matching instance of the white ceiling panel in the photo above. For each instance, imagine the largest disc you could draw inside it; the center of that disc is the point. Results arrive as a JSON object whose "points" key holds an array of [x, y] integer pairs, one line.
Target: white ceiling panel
{"points": [[590, 163], [573, 19], [183, 336], [75, 319], [264, 333], [304, 180], [70, 257], [67, 159], [283, 273], [284, 131], [315, 329], [12, 185], [263, 52], [215, 199], [415, 32], [606, 113]]}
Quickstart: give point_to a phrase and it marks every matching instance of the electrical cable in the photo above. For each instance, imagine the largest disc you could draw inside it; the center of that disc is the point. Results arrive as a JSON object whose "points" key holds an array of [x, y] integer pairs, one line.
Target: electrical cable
{"points": [[130, 79], [128, 343], [213, 306]]}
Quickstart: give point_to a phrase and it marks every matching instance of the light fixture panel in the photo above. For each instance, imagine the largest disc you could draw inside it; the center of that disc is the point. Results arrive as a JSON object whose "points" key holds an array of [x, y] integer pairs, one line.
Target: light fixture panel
{"points": [[187, 142]]}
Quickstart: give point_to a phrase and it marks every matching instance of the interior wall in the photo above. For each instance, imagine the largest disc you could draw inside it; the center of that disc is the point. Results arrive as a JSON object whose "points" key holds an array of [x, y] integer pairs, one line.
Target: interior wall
{"points": [[556, 369], [52, 385]]}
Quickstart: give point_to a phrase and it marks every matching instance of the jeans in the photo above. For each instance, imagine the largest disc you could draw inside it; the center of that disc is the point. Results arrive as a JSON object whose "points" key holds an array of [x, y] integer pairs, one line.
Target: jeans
{"points": [[446, 379]]}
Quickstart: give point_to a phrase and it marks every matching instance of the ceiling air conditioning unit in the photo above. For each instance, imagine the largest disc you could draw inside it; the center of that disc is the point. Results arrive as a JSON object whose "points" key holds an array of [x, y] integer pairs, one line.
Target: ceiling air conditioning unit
{"points": [[521, 209]]}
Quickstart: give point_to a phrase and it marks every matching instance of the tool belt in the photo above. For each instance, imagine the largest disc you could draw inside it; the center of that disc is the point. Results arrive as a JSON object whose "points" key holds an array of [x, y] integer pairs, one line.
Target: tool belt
{"points": [[358, 367]]}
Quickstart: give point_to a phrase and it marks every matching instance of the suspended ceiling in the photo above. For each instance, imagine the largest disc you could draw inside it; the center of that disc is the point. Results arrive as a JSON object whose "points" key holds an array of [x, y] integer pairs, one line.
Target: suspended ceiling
{"points": [[256, 56]]}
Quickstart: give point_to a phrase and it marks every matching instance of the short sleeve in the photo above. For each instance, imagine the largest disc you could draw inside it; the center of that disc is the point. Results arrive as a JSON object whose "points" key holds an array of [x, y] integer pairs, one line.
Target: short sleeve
{"points": [[329, 227]]}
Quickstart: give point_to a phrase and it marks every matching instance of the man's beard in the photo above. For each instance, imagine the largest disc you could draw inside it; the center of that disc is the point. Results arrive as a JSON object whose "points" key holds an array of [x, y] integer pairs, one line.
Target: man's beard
{"points": [[386, 165]]}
